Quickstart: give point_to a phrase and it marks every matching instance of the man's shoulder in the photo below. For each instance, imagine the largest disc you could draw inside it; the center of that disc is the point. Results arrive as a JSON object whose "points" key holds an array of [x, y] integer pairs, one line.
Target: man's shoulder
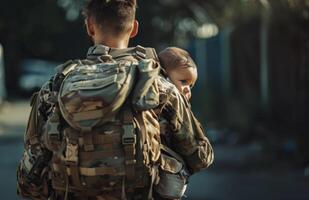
{"points": [[169, 89], [67, 66], [165, 85]]}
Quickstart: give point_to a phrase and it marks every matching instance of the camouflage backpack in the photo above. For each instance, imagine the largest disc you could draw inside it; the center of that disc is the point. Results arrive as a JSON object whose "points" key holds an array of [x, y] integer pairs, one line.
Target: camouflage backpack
{"points": [[102, 131]]}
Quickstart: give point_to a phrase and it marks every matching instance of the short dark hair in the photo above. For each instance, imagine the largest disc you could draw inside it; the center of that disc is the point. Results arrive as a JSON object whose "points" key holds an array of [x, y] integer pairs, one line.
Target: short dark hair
{"points": [[114, 16]]}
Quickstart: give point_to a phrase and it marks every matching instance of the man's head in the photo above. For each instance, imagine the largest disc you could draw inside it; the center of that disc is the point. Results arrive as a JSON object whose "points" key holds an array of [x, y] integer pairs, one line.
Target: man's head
{"points": [[111, 22], [180, 69]]}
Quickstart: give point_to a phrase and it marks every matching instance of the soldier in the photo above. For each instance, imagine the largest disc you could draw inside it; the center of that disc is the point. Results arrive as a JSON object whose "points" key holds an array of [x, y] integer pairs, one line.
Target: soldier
{"points": [[93, 131]]}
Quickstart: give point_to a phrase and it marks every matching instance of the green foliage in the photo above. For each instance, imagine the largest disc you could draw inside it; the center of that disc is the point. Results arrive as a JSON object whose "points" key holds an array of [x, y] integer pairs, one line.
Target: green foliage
{"points": [[51, 29], [37, 29]]}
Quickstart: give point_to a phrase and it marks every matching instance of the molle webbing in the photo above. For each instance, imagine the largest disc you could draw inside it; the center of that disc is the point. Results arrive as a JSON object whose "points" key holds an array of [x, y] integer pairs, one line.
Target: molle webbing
{"points": [[91, 171], [129, 143], [96, 155], [103, 139], [88, 141], [71, 158]]}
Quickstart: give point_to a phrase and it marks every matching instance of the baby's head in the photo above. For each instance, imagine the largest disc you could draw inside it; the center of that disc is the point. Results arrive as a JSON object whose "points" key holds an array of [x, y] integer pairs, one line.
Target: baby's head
{"points": [[180, 69]]}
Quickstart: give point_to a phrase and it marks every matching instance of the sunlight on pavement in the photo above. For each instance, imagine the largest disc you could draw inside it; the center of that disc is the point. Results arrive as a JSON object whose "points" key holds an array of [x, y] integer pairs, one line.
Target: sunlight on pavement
{"points": [[13, 117]]}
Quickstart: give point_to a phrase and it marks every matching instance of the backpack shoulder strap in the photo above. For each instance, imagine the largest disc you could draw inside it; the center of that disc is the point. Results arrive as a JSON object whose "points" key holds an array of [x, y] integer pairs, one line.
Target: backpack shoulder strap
{"points": [[31, 135], [116, 53], [151, 53], [129, 142], [146, 53], [68, 66], [139, 52]]}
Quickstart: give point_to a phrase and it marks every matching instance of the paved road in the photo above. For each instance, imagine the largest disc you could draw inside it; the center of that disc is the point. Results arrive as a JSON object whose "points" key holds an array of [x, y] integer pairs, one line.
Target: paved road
{"points": [[218, 183], [10, 152], [225, 180], [248, 184], [239, 174]]}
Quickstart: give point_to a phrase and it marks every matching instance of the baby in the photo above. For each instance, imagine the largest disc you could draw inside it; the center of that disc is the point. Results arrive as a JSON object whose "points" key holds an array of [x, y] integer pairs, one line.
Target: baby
{"points": [[180, 69]]}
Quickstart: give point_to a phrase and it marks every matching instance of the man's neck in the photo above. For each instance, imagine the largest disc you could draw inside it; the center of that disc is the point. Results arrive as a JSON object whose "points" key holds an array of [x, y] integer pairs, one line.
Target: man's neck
{"points": [[112, 42]]}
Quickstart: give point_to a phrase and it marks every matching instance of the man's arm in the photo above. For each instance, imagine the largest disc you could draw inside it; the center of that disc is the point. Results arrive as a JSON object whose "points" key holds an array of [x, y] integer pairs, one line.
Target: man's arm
{"points": [[32, 177], [188, 137]]}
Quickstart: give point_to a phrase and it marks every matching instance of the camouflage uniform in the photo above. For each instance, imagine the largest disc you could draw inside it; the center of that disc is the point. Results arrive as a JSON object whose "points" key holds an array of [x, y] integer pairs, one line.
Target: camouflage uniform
{"points": [[186, 136]]}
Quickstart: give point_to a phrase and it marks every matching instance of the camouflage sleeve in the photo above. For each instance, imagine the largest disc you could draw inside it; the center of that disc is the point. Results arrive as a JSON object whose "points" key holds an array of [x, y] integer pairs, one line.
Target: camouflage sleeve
{"points": [[188, 137], [32, 179]]}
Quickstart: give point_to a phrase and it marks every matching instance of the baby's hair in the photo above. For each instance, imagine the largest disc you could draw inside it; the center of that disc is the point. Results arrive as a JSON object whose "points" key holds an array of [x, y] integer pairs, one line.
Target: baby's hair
{"points": [[174, 57]]}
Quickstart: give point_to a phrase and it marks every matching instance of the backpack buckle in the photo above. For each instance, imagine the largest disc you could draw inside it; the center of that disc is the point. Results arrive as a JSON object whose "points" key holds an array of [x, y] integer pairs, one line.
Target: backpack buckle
{"points": [[53, 132], [128, 136], [140, 52], [71, 154]]}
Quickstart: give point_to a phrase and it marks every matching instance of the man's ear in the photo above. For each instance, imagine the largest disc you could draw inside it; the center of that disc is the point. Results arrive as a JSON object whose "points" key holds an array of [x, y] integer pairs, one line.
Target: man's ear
{"points": [[90, 26], [134, 29]]}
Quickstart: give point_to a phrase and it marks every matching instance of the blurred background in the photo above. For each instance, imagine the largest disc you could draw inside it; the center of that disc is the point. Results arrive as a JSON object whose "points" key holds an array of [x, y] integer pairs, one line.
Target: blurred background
{"points": [[252, 93]]}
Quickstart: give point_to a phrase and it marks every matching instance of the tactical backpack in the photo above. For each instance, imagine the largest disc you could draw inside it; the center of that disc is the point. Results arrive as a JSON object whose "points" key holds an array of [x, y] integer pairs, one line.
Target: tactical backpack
{"points": [[102, 131]]}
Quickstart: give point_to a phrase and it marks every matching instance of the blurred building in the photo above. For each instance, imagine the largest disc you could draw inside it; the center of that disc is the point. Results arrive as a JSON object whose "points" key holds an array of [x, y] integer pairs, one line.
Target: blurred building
{"points": [[2, 76]]}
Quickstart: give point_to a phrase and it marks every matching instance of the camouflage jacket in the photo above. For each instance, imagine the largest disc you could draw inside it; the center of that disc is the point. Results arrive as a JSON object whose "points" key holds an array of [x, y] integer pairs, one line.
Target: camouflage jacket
{"points": [[188, 137]]}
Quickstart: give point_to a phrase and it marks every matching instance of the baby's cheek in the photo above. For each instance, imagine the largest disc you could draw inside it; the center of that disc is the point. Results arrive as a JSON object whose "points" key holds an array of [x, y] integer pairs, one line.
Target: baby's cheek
{"points": [[180, 91], [187, 92], [179, 87]]}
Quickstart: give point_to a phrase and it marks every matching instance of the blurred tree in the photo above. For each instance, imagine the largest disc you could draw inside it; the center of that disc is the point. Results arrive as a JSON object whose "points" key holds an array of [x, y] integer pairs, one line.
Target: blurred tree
{"points": [[49, 29], [37, 29]]}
